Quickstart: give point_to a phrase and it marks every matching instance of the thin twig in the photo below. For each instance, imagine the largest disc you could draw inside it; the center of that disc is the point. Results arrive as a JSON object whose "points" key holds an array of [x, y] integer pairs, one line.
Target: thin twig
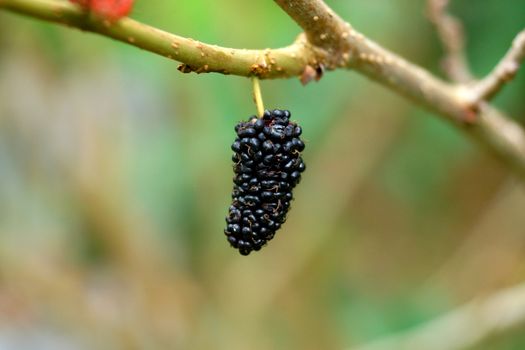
{"points": [[504, 71], [463, 327], [451, 34]]}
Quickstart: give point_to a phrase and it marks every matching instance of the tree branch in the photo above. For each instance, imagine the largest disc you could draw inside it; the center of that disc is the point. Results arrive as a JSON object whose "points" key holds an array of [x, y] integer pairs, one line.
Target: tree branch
{"points": [[502, 136], [464, 327], [450, 33], [330, 43], [196, 56], [504, 71]]}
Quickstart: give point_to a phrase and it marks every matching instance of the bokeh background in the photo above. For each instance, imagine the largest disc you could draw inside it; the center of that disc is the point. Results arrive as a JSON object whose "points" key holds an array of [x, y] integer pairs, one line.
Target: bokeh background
{"points": [[115, 177]]}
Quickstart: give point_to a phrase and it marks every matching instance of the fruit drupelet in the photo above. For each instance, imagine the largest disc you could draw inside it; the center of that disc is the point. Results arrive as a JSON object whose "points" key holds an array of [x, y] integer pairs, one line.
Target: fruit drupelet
{"points": [[267, 165]]}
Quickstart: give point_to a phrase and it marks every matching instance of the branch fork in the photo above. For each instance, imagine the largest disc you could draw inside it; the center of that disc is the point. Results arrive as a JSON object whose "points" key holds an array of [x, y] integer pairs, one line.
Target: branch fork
{"points": [[504, 71]]}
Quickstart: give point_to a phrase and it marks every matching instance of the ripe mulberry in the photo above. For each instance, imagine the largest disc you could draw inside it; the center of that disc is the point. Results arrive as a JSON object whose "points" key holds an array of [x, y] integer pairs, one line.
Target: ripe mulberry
{"points": [[267, 165]]}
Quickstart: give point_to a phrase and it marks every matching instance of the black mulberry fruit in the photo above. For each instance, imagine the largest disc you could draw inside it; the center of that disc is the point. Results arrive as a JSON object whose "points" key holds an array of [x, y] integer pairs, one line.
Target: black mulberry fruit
{"points": [[267, 165]]}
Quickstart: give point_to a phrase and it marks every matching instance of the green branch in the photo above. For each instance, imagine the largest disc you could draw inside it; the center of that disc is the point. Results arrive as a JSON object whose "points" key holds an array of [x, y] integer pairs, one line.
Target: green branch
{"points": [[196, 56]]}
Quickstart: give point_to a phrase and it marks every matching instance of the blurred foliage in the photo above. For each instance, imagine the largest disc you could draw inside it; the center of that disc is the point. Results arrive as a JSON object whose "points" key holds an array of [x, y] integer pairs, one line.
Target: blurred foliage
{"points": [[115, 178]]}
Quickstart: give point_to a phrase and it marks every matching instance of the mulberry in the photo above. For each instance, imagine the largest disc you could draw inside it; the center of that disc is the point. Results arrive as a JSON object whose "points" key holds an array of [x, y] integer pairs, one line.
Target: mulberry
{"points": [[267, 165]]}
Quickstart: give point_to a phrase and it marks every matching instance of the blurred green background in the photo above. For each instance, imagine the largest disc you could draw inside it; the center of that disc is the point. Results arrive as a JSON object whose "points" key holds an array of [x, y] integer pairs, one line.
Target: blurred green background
{"points": [[115, 177]]}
